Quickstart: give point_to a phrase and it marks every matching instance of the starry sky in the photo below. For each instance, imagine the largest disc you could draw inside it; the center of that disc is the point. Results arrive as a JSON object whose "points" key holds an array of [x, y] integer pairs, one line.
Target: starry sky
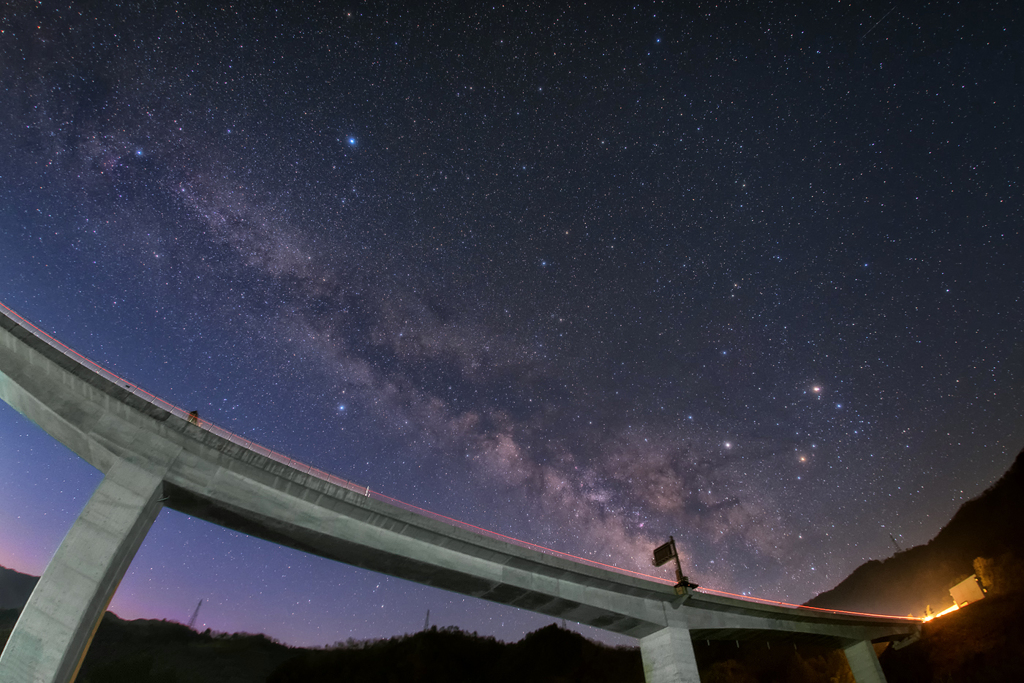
{"points": [[747, 274]]}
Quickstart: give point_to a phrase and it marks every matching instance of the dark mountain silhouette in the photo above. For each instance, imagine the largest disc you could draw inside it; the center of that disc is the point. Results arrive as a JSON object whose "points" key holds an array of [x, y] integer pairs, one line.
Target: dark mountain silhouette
{"points": [[450, 655], [148, 651], [151, 651], [15, 588], [989, 526], [983, 641]]}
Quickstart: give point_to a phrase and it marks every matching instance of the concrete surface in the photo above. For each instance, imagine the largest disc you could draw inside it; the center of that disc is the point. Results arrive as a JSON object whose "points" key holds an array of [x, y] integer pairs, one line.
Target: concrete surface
{"points": [[62, 614], [668, 656], [864, 662]]}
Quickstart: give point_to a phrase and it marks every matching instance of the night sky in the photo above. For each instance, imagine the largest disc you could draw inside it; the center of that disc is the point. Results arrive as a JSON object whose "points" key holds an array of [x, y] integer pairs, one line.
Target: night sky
{"points": [[747, 275]]}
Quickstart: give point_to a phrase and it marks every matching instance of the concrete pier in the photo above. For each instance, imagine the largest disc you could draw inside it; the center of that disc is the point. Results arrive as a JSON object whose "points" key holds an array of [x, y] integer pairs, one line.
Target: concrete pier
{"points": [[58, 622], [668, 656], [864, 662]]}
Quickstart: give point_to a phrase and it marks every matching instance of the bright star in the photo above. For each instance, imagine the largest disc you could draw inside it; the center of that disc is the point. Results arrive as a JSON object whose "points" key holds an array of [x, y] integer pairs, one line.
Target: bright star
{"points": [[341, 408], [352, 142]]}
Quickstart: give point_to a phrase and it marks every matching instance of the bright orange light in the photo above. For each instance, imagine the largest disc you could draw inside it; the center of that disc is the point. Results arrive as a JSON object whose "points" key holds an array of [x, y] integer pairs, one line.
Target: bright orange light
{"points": [[943, 612]]}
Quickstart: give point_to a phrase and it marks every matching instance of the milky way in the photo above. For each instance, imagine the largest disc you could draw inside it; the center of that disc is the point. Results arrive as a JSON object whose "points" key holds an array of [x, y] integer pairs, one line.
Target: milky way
{"points": [[749, 277]]}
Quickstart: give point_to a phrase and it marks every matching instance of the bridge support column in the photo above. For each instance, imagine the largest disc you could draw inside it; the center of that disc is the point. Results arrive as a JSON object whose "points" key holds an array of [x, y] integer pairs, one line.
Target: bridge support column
{"points": [[864, 663], [57, 624], [668, 656]]}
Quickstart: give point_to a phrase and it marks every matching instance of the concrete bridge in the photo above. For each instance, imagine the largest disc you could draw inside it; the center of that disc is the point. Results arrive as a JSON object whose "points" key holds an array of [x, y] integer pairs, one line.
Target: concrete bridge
{"points": [[153, 455]]}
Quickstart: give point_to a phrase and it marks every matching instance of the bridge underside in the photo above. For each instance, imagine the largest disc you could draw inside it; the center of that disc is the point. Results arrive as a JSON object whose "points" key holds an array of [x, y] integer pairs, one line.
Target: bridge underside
{"points": [[203, 508], [271, 529], [410, 569]]}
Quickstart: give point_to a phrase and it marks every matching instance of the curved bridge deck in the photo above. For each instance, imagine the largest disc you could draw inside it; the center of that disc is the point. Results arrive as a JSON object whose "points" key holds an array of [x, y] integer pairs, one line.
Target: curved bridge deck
{"points": [[155, 454]]}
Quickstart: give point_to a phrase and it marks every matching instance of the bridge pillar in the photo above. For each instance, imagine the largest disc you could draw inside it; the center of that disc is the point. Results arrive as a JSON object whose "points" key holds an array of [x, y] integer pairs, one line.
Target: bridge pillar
{"points": [[864, 662], [57, 624], [668, 656]]}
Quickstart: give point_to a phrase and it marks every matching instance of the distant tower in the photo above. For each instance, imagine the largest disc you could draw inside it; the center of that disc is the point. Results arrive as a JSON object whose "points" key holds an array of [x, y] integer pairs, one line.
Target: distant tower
{"points": [[898, 548], [426, 622], [192, 621]]}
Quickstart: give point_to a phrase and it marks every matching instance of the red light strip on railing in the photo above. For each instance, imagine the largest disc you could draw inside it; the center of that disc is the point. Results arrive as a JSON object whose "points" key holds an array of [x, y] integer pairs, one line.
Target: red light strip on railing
{"points": [[808, 607], [330, 478], [517, 541]]}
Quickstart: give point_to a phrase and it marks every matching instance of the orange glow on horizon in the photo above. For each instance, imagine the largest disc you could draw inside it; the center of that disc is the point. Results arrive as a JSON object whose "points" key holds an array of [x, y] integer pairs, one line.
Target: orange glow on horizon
{"points": [[944, 612]]}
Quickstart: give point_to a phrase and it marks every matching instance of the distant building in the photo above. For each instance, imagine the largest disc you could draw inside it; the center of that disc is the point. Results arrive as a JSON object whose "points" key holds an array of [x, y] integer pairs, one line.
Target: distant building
{"points": [[967, 591]]}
